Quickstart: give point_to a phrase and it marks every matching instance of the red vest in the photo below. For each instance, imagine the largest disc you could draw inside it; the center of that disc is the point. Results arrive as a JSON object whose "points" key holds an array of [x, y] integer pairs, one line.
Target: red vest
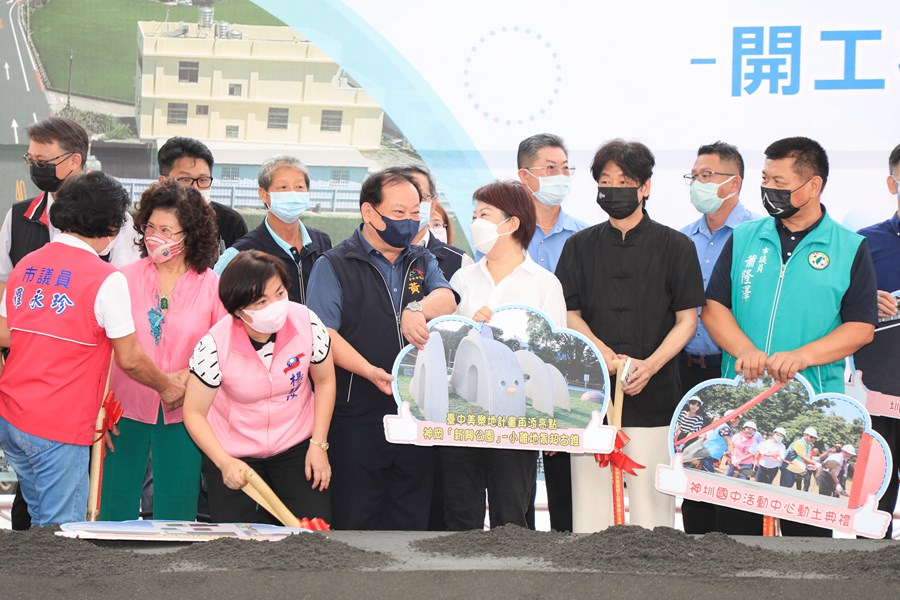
{"points": [[59, 358]]}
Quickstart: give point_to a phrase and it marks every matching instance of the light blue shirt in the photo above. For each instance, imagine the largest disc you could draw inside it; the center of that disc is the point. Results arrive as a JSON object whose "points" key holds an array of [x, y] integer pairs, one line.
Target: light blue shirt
{"points": [[545, 248], [230, 253], [709, 245], [326, 298]]}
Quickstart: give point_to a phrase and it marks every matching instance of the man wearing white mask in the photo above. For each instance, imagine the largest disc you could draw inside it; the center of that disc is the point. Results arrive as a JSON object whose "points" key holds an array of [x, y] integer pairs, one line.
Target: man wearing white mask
{"points": [[284, 190], [715, 185], [190, 163], [544, 170]]}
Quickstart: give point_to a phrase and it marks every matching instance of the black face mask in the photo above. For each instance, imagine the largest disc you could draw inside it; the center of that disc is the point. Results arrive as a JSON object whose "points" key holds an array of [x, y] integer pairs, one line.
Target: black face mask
{"points": [[778, 202], [45, 178], [618, 202]]}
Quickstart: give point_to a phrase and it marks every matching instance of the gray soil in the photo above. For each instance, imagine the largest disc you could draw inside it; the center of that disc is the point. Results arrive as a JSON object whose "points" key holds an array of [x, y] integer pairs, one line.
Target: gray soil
{"points": [[508, 562]]}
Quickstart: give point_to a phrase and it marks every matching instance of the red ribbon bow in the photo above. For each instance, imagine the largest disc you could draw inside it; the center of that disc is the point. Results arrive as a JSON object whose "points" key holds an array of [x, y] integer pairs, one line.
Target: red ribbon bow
{"points": [[315, 524], [114, 412], [618, 458]]}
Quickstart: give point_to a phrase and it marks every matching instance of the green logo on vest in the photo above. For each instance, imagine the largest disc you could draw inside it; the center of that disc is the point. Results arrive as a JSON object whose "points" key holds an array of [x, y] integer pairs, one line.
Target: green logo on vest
{"points": [[819, 260]]}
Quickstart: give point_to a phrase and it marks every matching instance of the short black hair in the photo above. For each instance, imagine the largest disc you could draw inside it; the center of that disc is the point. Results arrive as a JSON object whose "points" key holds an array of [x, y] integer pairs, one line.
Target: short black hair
{"points": [[810, 158], [181, 147], [894, 159], [726, 152], [244, 280], [634, 158], [374, 184], [93, 205], [70, 136], [530, 146], [413, 168]]}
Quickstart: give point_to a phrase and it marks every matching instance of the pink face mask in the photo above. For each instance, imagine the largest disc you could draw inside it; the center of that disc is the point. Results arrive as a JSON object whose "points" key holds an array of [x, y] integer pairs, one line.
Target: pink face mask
{"points": [[161, 250], [270, 318]]}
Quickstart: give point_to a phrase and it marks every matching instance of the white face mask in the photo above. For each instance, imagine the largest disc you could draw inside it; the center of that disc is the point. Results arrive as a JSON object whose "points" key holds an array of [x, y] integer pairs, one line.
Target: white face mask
{"points": [[108, 249], [485, 234], [440, 233], [553, 189], [268, 319], [207, 194]]}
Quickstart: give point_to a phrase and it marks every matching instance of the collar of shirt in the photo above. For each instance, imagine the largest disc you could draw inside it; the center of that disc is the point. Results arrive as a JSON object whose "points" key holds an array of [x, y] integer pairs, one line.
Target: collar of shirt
{"points": [[739, 214], [369, 248], [634, 232], [425, 238], [895, 223], [527, 265], [304, 235], [73, 242], [803, 232], [566, 222]]}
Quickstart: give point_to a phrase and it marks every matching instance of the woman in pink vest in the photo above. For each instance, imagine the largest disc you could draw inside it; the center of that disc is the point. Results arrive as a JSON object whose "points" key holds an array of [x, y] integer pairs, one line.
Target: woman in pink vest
{"points": [[174, 302], [250, 399]]}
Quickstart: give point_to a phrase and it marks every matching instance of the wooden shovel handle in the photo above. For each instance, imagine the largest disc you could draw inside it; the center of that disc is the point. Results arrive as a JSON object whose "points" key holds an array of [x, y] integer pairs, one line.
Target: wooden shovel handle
{"points": [[260, 491]]}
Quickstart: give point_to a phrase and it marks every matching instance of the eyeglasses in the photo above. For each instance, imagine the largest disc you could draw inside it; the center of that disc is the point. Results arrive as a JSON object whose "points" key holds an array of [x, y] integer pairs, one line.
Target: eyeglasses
{"points": [[164, 231], [551, 170], [429, 197], [45, 163], [703, 176], [202, 182]]}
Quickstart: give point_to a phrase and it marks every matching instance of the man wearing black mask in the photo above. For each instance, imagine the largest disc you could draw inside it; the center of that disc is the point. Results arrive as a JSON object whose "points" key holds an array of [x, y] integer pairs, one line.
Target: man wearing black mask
{"points": [[374, 292], [632, 286], [793, 293], [57, 150]]}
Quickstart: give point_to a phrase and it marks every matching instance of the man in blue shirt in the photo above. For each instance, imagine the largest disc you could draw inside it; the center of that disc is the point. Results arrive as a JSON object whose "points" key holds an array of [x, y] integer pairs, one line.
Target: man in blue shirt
{"points": [[544, 170], [374, 292], [878, 360], [715, 185]]}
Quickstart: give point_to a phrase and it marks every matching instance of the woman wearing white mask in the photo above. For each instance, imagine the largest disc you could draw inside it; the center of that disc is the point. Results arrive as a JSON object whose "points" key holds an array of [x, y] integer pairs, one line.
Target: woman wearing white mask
{"points": [[250, 399], [174, 302], [502, 226], [284, 190]]}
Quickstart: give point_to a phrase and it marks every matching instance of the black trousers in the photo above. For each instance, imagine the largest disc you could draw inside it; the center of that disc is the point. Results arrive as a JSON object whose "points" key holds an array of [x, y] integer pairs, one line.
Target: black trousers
{"points": [[558, 479], [376, 485], [284, 472], [889, 428], [20, 518], [698, 517], [507, 475]]}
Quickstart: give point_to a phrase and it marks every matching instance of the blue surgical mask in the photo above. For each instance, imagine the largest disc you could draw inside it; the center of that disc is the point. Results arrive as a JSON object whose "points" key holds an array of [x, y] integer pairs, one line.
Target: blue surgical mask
{"points": [[897, 181], [424, 213], [398, 233], [288, 206], [705, 196], [553, 189]]}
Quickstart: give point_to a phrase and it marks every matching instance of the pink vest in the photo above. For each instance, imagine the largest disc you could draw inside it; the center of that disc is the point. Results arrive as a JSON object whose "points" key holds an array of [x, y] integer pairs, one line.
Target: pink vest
{"points": [[261, 412], [194, 308], [53, 382]]}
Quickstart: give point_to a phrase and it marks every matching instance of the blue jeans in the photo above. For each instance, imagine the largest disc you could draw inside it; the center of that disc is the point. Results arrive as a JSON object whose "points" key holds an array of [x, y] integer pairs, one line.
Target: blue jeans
{"points": [[53, 476]]}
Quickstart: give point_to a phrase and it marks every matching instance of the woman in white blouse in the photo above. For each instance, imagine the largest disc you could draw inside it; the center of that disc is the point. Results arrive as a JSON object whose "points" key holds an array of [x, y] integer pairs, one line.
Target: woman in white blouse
{"points": [[503, 224]]}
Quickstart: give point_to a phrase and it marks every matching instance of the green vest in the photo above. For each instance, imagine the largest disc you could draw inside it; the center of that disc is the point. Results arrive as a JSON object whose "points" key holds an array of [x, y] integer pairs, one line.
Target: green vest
{"points": [[782, 306]]}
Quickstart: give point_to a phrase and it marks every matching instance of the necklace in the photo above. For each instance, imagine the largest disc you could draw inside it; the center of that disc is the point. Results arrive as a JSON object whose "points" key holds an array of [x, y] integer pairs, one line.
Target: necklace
{"points": [[156, 316]]}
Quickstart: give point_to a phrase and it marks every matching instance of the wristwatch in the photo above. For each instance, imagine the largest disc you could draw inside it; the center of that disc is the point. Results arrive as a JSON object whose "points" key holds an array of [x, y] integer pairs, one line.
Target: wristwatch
{"points": [[323, 445], [415, 307]]}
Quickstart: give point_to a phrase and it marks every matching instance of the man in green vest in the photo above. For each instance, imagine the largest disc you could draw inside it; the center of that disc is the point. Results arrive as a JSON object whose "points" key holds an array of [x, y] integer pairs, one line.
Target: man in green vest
{"points": [[795, 292]]}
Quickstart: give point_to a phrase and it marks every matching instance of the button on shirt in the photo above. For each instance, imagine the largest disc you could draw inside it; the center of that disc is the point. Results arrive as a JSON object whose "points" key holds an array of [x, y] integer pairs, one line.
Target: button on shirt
{"points": [[328, 300], [709, 246], [545, 248]]}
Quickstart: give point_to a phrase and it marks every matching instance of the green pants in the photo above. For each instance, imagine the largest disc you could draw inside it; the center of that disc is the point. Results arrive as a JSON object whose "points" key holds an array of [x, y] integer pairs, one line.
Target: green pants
{"points": [[176, 472]]}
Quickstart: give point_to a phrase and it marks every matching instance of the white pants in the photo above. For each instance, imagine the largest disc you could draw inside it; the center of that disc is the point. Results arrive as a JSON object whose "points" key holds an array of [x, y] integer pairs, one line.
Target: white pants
{"points": [[592, 486]]}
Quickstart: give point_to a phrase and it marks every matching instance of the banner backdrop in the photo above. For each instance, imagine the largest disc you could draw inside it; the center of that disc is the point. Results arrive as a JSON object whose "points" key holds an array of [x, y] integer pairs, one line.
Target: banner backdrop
{"points": [[466, 81]]}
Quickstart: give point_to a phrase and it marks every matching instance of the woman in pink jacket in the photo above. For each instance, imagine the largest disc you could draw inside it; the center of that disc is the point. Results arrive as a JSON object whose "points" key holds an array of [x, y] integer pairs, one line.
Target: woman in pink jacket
{"points": [[250, 399], [174, 302]]}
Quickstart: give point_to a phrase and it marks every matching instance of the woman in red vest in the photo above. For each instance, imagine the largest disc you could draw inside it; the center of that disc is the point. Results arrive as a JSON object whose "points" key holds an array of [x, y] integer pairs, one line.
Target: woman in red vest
{"points": [[65, 312], [250, 399], [174, 302]]}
